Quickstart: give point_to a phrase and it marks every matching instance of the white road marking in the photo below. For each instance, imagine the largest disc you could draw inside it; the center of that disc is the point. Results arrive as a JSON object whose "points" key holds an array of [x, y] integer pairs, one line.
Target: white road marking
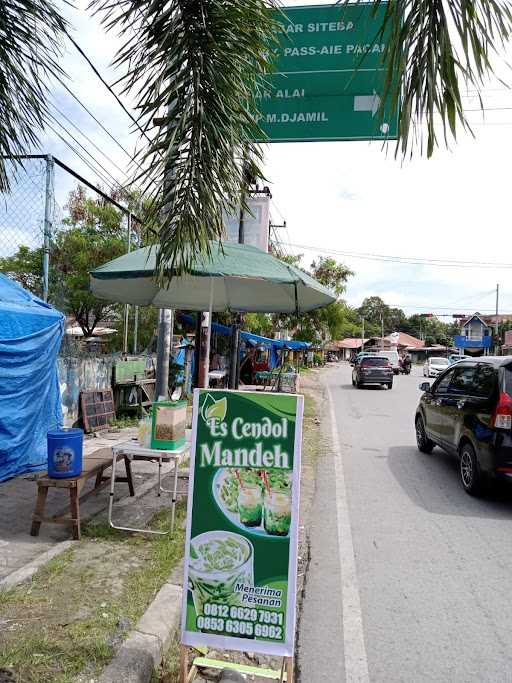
{"points": [[356, 662]]}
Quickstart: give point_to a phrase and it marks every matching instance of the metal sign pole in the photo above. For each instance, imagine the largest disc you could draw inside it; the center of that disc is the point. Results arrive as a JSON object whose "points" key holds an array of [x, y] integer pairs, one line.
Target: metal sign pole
{"points": [[50, 177]]}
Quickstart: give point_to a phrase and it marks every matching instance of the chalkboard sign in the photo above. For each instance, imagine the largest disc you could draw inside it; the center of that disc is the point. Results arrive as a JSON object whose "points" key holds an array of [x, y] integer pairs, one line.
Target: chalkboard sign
{"points": [[97, 409]]}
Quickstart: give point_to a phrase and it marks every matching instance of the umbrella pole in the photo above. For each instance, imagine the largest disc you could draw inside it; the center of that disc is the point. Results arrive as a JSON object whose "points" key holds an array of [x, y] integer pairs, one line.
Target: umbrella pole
{"points": [[235, 350]]}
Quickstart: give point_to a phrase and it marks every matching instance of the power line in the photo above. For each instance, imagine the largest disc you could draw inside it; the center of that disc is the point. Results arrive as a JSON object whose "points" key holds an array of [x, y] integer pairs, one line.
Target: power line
{"points": [[99, 123], [407, 260], [104, 172], [107, 86], [80, 156], [91, 142]]}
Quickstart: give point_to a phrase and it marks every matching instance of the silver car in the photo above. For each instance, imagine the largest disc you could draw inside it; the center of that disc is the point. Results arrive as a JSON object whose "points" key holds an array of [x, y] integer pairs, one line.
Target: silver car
{"points": [[434, 366]]}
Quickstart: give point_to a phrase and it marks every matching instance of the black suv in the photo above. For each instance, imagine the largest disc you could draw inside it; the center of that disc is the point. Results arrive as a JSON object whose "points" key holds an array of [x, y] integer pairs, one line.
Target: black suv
{"points": [[468, 412], [373, 370]]}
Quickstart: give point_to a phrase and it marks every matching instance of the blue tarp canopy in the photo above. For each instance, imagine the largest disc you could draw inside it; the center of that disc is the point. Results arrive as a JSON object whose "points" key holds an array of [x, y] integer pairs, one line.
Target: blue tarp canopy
{"points": [[30, 336], [273, 344]]}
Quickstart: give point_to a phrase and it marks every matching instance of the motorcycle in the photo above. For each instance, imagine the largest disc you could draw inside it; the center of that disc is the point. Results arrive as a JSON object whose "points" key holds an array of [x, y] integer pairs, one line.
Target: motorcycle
{"points": [[405, 368]]}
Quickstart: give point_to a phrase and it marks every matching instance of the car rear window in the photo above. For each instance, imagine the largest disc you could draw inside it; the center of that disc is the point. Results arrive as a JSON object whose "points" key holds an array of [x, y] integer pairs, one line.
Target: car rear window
{"points": [[379, 362]]}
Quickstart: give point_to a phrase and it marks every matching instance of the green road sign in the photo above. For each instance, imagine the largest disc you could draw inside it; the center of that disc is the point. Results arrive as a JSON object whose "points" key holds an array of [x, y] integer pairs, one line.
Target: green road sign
{"points": [[242, 522], [329, 77]]}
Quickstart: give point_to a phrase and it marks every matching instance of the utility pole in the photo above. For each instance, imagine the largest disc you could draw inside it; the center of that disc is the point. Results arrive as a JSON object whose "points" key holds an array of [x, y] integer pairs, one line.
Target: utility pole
{"points": [[362, 333], [48, 216], [163, 352], [497, 324], [382, 330], [127, 306], [165, 322], [234, 366]]}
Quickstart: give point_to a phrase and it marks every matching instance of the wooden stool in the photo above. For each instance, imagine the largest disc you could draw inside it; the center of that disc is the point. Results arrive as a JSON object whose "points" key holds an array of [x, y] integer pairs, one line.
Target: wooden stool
{"points": [[94, 465]]}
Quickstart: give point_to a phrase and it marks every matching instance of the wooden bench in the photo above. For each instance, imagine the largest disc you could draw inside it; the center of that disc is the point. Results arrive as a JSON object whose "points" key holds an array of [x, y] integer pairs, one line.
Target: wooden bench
{"points": [[94, 465]]}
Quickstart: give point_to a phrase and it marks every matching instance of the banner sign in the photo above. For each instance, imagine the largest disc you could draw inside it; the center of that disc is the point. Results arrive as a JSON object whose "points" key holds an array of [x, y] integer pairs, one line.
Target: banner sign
{"points": [[256, 222], [329, 77], [242, 522]]}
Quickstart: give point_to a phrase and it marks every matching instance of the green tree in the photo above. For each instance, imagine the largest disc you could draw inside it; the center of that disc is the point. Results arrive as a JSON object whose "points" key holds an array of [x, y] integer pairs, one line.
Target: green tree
{"points": [[373, 309], [94, 232], [325, 323], [26, 268], [431, 330], [332, 274]]}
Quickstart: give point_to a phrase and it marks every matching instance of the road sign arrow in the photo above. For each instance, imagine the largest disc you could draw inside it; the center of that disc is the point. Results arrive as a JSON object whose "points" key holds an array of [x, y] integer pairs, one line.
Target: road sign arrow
{"points": [[367, 103]]}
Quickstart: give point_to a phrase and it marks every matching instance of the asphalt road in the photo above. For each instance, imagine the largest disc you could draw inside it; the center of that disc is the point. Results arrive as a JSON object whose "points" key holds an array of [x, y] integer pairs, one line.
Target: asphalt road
{"points": [[409, 577]]}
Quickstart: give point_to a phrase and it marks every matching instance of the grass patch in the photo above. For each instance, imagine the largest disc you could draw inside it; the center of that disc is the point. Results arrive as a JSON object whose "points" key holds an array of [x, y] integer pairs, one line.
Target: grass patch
{"points": [[170, 667], [311, 439], [80, 606]]}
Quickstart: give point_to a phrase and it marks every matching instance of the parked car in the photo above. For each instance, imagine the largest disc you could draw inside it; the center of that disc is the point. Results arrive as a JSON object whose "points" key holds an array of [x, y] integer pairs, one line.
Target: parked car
{"points": [[373, 370], [434, 366], [393, 358], [455, 358], [468, 412]]}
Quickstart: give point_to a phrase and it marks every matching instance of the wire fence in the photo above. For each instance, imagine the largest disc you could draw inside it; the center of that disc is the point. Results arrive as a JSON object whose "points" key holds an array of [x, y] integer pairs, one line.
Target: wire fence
{"points": [[35, 215], [22, 210]]}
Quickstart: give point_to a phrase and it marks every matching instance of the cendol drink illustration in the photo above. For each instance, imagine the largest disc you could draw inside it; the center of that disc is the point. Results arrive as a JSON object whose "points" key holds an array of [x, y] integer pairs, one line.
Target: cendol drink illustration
{"points": [[250, 505], [259, 499], [218, 561], [277, 512]]}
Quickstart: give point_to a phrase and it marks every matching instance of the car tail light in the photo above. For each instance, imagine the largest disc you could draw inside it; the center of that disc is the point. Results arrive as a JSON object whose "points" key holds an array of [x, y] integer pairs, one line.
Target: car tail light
{"points": [[502, 416], [389, 366]]}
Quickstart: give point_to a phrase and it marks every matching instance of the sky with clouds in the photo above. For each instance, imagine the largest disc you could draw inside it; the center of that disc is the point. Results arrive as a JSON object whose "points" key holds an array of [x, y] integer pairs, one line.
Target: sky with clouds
{"points": [[345, 196]]}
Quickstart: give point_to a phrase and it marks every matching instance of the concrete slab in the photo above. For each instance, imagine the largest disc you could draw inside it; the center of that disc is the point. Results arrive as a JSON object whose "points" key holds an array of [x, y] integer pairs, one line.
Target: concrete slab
{"points": [[17, 499]]}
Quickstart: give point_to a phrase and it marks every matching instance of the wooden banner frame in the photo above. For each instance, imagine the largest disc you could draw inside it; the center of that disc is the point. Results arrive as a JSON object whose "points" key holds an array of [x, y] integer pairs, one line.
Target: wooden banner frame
{"points": [[188, 673]]}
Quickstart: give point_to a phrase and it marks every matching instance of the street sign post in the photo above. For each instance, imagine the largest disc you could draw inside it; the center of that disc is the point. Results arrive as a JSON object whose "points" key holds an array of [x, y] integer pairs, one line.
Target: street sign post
{"points": [[329, 77]]}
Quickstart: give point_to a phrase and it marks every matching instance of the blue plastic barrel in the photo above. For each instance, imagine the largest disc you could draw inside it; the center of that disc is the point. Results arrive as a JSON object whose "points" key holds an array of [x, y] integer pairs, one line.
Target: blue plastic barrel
{"points": [[65, 449]]}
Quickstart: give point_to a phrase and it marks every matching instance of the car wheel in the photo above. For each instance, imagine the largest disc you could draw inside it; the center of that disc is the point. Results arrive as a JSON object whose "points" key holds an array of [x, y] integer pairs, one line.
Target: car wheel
{"points": [[470, 475], [390, 385], [359, 385], [425, 445]]}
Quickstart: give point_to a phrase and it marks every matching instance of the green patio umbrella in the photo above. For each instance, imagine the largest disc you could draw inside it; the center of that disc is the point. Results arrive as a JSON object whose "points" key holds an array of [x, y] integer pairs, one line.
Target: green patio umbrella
{"points": [[237, 277]]}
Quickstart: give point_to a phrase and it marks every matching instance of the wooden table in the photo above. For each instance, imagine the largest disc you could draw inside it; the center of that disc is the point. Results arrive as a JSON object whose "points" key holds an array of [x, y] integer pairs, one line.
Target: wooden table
{"points": [[132, 450], [94, 465]]}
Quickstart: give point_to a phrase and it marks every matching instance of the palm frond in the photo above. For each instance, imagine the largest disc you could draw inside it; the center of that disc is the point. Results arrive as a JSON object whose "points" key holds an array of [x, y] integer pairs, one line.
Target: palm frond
{"points": [[194, 66], [434, 46], [30, 33]]}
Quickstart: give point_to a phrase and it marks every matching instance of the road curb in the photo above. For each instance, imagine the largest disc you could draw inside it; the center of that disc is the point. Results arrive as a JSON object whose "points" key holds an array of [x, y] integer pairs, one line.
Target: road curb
{"points": [[28, 570], [143, 650]]}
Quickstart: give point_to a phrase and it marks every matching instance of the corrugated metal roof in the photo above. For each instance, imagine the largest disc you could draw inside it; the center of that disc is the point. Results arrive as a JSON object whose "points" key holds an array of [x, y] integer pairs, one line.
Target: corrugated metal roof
{"points": [[351, 343]]}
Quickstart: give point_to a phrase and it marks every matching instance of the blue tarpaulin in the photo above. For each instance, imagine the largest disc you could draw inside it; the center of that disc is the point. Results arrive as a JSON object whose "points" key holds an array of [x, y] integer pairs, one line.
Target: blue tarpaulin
{"points": [[273, 344], [30, 336]]}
